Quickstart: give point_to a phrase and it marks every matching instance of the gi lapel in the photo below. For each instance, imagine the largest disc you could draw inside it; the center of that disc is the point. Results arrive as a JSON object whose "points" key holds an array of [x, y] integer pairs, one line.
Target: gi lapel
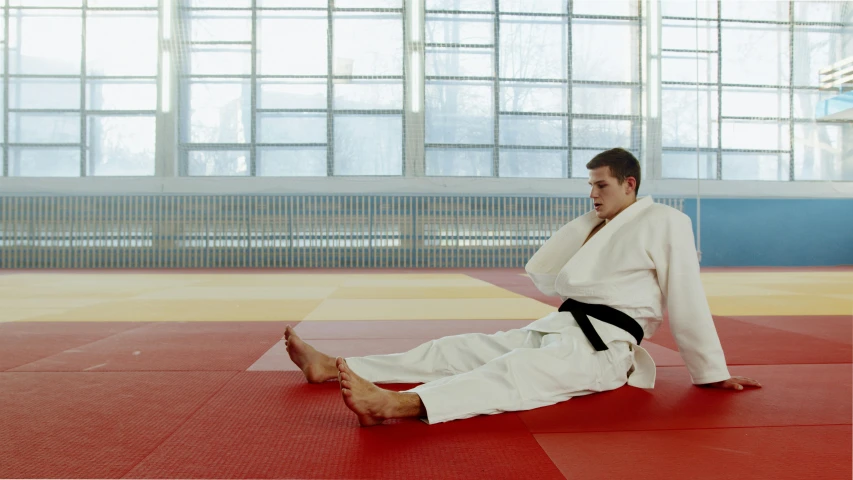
{"points": [[585, 258]]}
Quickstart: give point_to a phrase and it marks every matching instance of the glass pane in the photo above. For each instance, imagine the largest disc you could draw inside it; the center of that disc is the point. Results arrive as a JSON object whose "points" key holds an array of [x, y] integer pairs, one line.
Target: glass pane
{"points": [[293, 3], [684, 67], [44, 162], [373, 43], [679, 120], [755, 166], [292, 128], [579, 160], [37, 53], [46, 3], [292, 162], [459, 162], [681, 35], [123, 3], [218, 163], [816, 49], [534, 131], [533, 97], [368, 95], [459, 62], [44, 127], [534, 49], [291, 94], [755, 135], [533, 163], [459, 113], [751, 102], [367, 145], [685, 165], [756, 55], [606, 7], [682, 8], [603, 100], [121, 95], [368, 3], [806, 102], [468, 29], [121, 43], [603, 134], [466, 5], [44, 93], [220, 3], [121, 145], [533, 6], [296, 44], [219, 112], [819, 151], [604, 50], [819, 11], [220, 26], [220, 60], [755, 10]]}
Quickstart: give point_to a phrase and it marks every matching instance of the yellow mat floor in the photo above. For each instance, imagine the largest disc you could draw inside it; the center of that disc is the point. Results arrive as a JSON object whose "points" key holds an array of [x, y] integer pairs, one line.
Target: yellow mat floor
{"points": [[377, 296]]}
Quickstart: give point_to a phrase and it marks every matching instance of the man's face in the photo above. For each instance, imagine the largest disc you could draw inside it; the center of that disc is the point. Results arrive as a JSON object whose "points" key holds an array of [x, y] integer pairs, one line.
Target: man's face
{"points": [[609, 197]]}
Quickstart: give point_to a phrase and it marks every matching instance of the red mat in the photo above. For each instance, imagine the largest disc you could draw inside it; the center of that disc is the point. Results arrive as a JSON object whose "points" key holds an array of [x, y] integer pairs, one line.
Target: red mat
{"points": [[746, 343], [835, 328], [422, 329], [168, 346], [88, 425], [273, 425], [821, 452], [277, 359], [792, 395], [25, 342]]}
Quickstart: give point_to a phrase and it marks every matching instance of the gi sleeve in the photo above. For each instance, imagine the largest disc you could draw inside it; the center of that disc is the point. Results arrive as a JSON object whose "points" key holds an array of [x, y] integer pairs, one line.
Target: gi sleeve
{"points": [[544, 266], [690, 317]]}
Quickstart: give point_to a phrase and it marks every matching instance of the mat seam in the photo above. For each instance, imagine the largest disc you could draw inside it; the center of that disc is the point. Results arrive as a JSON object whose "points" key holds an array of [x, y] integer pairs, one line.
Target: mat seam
{"points": [[181, 424], [296, 322], [763, 364], [699, 428], [83, 345]]}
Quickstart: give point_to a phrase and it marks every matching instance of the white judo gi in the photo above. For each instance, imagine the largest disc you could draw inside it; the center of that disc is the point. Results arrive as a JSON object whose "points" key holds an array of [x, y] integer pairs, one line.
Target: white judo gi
{"points": [[640, 261]]}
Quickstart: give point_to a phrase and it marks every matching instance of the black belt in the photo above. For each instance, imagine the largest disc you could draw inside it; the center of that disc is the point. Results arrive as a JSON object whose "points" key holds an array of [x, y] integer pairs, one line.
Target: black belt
{"points": [[582, 311]]}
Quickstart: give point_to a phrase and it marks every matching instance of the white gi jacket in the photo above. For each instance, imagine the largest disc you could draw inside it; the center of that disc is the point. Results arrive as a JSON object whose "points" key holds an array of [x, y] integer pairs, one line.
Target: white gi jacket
{"points": [[642, 259]]}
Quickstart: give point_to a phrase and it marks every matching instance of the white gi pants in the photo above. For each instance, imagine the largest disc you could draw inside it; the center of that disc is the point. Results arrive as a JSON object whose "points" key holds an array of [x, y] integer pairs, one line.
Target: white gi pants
{"points": [[480, 374]]}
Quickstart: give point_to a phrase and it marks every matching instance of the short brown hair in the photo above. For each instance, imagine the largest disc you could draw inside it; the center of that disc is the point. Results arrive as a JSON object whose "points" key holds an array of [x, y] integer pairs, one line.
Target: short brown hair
{"points": [[622, 165]]}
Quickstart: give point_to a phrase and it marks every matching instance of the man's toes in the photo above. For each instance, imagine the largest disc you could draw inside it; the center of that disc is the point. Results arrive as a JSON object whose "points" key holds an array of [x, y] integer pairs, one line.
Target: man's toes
{"points": [[344, 376], [345, 384]]}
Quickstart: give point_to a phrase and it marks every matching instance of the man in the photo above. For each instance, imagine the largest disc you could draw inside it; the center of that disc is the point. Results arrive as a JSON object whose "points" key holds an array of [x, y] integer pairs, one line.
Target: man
{"points": [[615, 269]]}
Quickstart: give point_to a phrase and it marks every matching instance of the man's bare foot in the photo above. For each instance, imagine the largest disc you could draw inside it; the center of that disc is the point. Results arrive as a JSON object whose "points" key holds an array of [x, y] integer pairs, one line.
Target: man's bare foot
{"points": [[373, 405], [317, 366]]}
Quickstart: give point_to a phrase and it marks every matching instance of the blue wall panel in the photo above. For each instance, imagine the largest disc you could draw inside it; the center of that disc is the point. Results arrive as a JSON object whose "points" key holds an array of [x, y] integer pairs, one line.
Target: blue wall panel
{"points": [[774, 232]]}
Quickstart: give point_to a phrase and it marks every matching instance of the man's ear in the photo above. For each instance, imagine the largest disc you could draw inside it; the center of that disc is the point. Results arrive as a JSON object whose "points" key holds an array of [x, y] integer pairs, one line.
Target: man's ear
{"points": [[632, 184]]}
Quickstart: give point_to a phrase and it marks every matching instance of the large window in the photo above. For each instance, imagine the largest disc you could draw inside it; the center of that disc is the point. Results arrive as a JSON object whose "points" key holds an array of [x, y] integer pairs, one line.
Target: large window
{"points": [[743, 86], [529, 90], [407, 88], [80, 87], [291, 88]]}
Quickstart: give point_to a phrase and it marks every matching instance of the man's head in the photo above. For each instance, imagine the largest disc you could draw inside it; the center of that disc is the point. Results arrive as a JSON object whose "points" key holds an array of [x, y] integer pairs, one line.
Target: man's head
{"points": [[615, 179]]}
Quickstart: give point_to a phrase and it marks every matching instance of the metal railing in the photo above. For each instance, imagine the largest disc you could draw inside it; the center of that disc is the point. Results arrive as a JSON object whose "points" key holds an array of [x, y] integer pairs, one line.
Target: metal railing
{"points": [[279, 231]]}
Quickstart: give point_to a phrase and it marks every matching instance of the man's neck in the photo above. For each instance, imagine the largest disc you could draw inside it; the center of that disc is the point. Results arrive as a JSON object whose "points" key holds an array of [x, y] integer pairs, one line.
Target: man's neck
{"points": [[607, 220]]}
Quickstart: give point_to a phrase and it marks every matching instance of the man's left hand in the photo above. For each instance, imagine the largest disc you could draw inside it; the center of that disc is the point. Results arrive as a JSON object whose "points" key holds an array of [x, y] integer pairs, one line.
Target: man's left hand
{"points": [[734, 383]]}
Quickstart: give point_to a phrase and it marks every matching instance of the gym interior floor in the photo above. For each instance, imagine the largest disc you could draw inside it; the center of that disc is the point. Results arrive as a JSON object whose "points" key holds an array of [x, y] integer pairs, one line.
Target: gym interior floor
{"points": [[182, 374]]}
